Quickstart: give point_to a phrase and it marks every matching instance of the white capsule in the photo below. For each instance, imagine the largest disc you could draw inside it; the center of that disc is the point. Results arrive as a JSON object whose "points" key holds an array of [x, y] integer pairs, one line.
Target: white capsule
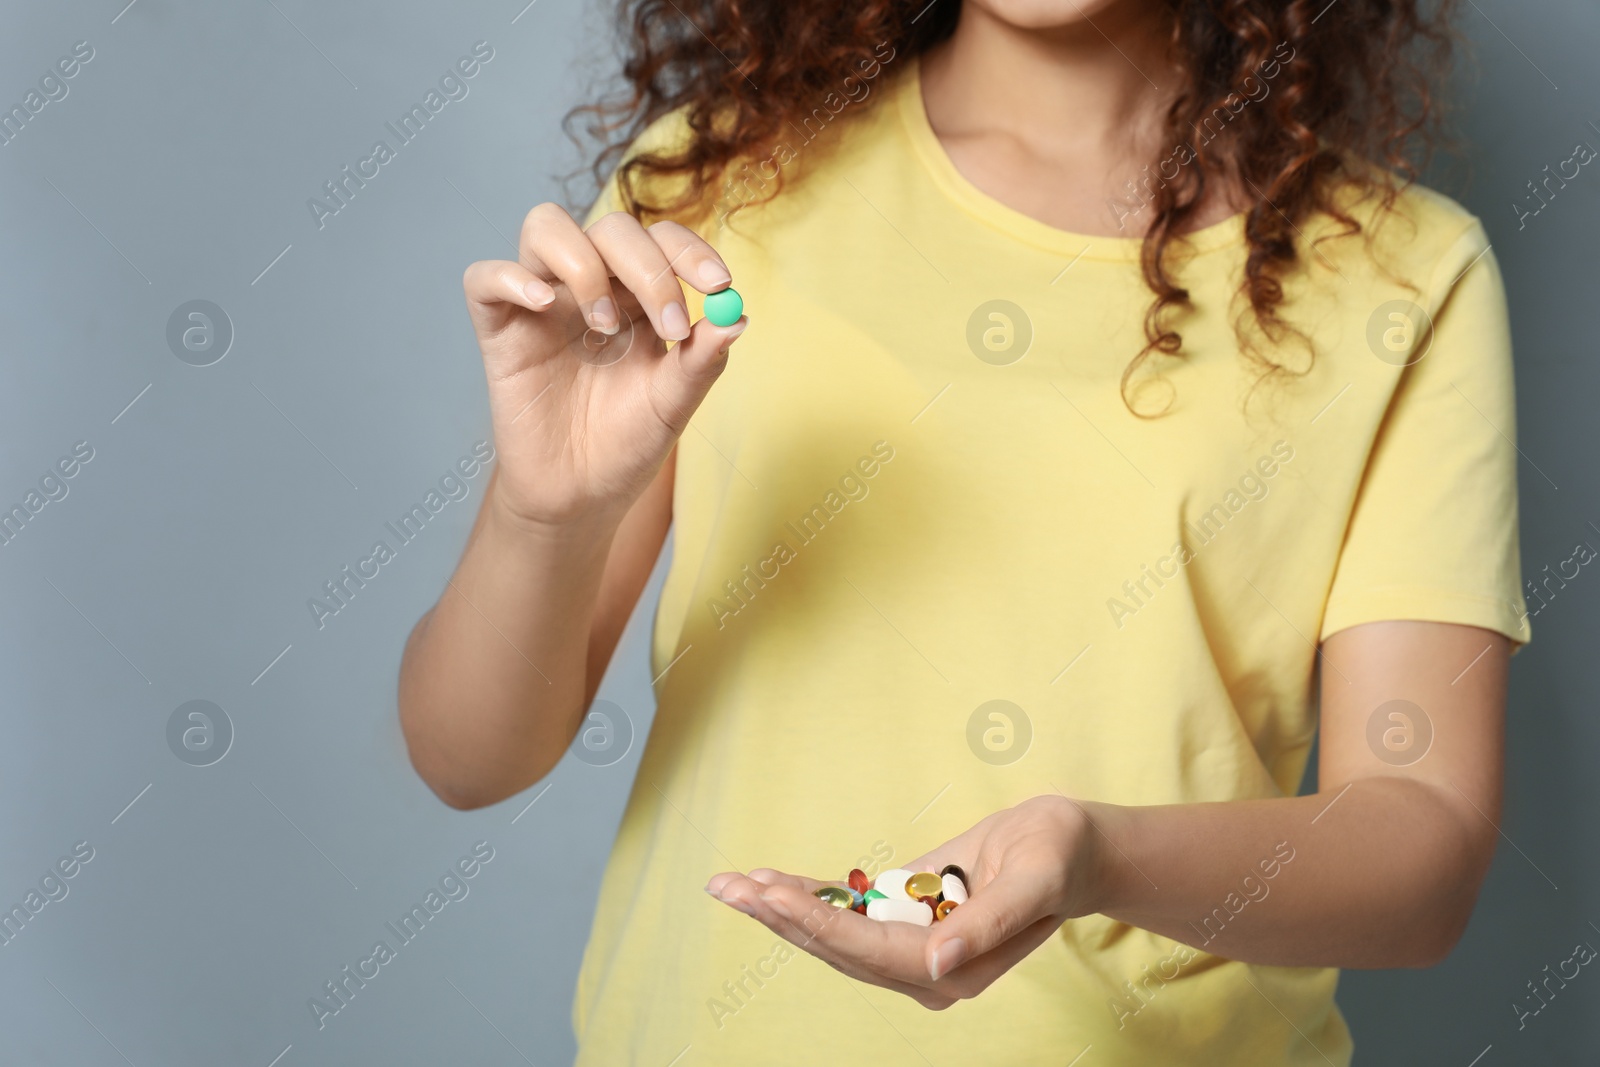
{"points": [[900, 911], [892, 884], [954, 889]]}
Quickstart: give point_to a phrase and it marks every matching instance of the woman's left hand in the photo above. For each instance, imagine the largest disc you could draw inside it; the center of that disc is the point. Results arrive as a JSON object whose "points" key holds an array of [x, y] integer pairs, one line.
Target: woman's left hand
{"points": [[1029, 869]]}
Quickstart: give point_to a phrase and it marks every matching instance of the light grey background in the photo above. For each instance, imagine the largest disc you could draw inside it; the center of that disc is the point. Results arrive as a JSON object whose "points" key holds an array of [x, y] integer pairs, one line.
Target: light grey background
{"points": [[179, 565]]}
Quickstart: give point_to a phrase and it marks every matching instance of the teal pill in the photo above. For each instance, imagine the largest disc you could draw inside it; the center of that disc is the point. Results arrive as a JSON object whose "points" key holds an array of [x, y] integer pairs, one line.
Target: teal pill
{"points": [[724, 307], [856, 899]]}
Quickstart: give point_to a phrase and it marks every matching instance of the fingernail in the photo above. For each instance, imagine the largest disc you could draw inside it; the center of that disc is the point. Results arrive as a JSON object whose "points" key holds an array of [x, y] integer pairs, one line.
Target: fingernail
{"points": [[603, 315], [675, 320], [776, 905], [733, 331], [947, 957], [714, 275], [539, 294]]}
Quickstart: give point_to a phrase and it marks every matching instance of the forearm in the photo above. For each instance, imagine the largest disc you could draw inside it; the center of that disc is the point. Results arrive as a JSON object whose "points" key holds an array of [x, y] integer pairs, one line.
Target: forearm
{"points": [[493, 682], [1383, 873]]}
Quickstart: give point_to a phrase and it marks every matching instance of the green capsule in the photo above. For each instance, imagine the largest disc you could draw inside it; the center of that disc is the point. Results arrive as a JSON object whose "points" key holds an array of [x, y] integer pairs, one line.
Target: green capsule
{"points": [[724, 307], [872, 894], [834, 897]]}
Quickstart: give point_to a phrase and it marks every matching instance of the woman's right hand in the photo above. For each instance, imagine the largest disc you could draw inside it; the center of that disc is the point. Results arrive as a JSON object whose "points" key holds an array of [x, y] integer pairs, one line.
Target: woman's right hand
{"points": [[586, 398]]}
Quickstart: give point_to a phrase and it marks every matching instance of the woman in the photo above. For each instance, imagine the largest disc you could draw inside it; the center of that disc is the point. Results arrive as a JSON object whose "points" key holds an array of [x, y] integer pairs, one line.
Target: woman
{"points": [[1118, 421]]}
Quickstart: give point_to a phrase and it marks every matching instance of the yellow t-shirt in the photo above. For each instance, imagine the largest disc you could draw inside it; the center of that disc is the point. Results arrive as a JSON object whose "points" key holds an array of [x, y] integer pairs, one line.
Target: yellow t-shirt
{"points": [[917, 490]]}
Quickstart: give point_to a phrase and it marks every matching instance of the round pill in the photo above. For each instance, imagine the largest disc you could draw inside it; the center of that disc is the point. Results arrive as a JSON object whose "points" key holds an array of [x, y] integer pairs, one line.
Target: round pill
{"points": [[944, 909], [858, 880], [904, 911], [724, 307], [925, 884], [834, 897], [954, 889], [872, 894]]}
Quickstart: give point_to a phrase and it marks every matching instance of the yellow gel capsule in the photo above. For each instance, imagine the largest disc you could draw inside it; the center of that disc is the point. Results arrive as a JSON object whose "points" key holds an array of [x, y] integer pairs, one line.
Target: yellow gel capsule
{"points": [[926, 884], [834, 897]]}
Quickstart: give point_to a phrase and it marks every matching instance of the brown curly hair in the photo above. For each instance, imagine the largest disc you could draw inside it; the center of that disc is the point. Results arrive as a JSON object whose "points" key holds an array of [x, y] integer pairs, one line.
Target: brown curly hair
{"points": [[1354, 90]]}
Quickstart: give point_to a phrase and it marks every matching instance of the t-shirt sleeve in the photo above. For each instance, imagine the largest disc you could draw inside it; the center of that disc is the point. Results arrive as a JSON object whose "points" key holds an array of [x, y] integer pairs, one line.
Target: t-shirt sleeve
{"points": [[1433, 535]]}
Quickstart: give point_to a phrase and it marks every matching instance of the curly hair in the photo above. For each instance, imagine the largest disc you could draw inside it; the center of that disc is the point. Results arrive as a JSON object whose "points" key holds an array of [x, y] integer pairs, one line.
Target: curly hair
{"points": [[1352, 105]]}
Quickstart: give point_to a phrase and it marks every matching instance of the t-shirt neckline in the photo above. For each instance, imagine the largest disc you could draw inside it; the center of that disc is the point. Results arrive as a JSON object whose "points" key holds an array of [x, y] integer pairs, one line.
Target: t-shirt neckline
{"points": [[955, 185]]}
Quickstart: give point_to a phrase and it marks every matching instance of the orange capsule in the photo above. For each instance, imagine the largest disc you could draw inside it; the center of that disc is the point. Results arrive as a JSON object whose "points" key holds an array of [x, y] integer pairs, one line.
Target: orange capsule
{"points": [[944, 909], [858, 880]]}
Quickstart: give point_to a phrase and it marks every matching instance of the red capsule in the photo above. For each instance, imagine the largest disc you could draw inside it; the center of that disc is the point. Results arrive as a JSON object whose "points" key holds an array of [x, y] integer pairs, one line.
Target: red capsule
{"points": [[862, 908], [858, 880], [930, 902]]}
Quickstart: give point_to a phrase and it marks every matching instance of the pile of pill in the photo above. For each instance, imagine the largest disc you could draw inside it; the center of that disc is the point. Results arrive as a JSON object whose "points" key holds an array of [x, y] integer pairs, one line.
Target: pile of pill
{"points": [[918, 897]]}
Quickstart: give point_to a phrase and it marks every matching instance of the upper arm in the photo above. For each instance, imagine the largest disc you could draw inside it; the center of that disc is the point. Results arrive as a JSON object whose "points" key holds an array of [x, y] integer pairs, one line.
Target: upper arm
{"points": [[633, 555], [1425, 606], [1424, 702]]}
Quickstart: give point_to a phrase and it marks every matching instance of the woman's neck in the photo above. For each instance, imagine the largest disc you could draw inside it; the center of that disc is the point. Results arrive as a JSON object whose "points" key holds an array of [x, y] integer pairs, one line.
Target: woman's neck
{"points": [[1053, 121]]}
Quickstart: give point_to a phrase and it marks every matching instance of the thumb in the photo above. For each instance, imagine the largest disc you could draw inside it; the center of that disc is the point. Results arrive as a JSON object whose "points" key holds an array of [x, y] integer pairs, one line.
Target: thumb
{"points": [[686, 372], [1004, 908]]}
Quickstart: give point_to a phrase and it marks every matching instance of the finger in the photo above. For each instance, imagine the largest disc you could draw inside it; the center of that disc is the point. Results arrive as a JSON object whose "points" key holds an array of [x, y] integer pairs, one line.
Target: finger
{"points": [[555, 248], [1003, 908], [767, 877], [495, 288], [692, 259], [961, 850], [807, 928], [888, 949], [683, 376], [718, 881], [979, 973], [640, 264]]}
